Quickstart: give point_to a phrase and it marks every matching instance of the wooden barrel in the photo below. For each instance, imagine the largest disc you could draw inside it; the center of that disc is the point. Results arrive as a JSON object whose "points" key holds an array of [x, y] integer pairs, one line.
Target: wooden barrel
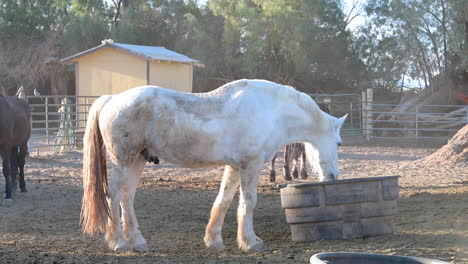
{"points": [[341, 209]]}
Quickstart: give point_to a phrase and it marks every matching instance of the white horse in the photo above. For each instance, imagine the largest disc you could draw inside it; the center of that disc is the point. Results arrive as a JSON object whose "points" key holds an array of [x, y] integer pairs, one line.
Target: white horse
{"points": [[240, 125]]}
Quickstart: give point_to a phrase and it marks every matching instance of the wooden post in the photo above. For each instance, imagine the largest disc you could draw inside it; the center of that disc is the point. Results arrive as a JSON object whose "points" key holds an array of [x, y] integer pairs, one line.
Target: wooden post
{"points": [[369, 98]]}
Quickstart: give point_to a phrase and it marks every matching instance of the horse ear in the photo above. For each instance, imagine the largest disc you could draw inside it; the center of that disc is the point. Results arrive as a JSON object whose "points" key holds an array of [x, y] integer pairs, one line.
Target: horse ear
{"points": [[340, 121]]}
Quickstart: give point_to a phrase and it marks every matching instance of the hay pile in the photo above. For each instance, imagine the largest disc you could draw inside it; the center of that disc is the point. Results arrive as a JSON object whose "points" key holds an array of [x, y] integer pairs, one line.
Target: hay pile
{"points": [[456, 150]]}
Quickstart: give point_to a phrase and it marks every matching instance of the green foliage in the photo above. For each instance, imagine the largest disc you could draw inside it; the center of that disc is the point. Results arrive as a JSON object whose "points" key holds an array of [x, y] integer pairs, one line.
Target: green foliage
{"points": [[420, 39], [303, 43], [299, 42]]}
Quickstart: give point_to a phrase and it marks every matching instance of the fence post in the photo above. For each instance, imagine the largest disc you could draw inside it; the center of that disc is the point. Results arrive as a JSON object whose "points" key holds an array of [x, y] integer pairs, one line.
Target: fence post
{"points": [[351, 118], [369, 99], [363, 120], [30, 150]]}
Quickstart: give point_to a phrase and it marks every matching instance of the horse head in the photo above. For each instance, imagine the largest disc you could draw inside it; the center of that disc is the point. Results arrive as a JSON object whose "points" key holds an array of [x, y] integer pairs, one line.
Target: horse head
{"points": [[322, 152]]}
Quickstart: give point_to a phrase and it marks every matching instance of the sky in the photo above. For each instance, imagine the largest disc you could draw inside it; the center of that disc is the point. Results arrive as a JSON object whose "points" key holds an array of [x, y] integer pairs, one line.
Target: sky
{"points": [[359, 20]]}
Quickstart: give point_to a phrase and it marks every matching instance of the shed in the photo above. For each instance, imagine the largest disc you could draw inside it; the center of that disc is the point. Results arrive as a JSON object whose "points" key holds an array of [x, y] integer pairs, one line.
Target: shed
{"points": [[112, 68]]}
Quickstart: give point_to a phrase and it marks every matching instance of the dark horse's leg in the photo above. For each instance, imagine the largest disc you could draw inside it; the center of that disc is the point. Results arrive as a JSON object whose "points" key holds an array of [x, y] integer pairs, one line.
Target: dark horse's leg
{"points": [[23, 152], [304, 174], [287, 154], [272, 170], [14, 168], [6, 173], [295, 152]]}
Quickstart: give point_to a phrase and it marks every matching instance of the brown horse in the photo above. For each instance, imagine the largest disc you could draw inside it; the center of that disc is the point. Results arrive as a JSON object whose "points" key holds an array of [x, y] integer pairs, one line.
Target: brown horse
{"points": [[292, 154], [15, 130]]}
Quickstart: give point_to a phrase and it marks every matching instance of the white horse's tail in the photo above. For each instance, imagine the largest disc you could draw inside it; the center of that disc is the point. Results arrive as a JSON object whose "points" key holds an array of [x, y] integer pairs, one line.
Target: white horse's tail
{"points": [[94, 210]]}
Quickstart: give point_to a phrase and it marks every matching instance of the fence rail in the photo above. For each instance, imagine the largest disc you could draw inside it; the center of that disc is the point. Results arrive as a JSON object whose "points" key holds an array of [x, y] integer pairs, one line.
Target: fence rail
{"points": [[414, 121], [56, 126]]}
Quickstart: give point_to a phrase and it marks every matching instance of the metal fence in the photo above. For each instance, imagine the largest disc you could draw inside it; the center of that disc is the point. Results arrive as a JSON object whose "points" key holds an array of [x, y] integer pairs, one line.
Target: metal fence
{"points": [[57, 126], [342, 104], [414, 121], [57, 122]]}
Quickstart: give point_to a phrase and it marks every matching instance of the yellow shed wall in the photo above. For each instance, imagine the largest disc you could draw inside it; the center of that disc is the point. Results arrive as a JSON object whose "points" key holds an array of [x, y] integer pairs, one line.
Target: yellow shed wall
{"points": [[175, 76], [109, 71]]}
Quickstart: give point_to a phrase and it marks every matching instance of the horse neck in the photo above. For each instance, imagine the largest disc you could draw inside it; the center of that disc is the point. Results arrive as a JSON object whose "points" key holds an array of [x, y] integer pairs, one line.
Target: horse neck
{"points": [[305, 125]]}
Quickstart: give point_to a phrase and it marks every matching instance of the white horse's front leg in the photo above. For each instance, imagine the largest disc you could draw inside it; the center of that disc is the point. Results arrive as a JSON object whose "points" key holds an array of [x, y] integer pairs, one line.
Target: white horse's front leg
{"points": [[246, 237], [229, 185], [114, 236], [130, 223]]}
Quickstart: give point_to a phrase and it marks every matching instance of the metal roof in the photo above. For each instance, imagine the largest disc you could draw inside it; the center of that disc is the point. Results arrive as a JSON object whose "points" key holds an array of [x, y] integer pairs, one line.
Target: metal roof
{"points": [[146, 52]]}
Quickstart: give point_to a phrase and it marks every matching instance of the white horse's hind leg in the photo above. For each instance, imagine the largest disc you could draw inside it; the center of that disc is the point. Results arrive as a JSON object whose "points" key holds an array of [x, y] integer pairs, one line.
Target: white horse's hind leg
{"points": [[246, 237], [229, 185], [130, 223], [114, 236]]}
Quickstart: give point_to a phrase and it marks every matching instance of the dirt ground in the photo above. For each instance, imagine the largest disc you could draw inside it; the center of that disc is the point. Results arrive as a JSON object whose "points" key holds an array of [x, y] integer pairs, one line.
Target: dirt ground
{"points": [[173, 206]]}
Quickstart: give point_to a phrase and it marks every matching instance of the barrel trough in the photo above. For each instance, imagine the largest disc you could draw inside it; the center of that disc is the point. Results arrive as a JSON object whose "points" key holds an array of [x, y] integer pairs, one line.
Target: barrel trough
{"points": [[342, 209]]}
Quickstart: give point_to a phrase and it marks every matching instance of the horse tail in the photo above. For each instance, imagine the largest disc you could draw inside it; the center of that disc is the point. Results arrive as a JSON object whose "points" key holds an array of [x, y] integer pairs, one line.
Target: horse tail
{"points": [[94, 209]]}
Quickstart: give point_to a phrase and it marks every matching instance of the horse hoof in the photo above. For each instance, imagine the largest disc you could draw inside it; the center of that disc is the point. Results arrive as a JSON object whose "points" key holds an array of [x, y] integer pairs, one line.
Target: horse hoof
{"points": [[258, 248], [23, 190], [122, 246], [272, 177], [295, 174], [8, 202], [141, 248], [215, 246], [122, 249]]}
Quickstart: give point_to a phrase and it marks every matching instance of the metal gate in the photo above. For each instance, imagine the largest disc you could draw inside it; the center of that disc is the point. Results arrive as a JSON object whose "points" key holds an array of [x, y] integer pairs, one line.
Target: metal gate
{"points": [[415, 121], [57, 122], [342, 104]]}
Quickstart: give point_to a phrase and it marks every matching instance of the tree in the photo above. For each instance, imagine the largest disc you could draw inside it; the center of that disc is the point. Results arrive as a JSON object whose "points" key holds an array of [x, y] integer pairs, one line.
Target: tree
{"points": [[36, 34], [259, 43], [420, 39]]}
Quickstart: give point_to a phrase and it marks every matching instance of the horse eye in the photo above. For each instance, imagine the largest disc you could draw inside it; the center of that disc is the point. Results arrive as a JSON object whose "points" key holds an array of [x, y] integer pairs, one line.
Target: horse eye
{"points": [[339, 144]]}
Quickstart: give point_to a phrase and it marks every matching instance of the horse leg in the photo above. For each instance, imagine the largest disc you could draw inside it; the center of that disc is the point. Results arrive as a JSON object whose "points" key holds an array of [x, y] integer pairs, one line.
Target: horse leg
{"points": [[272, 170], [129, 221], [21, 161], [293, 156], [114, 236], [246, 237], [287, 154], [304, 174], [295, 161], [229, 185], [7, 201], [14, 168]]}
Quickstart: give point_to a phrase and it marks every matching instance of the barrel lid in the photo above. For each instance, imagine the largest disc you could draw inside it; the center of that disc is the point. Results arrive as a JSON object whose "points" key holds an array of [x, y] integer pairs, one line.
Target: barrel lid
{"points": [[353, 180]]}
